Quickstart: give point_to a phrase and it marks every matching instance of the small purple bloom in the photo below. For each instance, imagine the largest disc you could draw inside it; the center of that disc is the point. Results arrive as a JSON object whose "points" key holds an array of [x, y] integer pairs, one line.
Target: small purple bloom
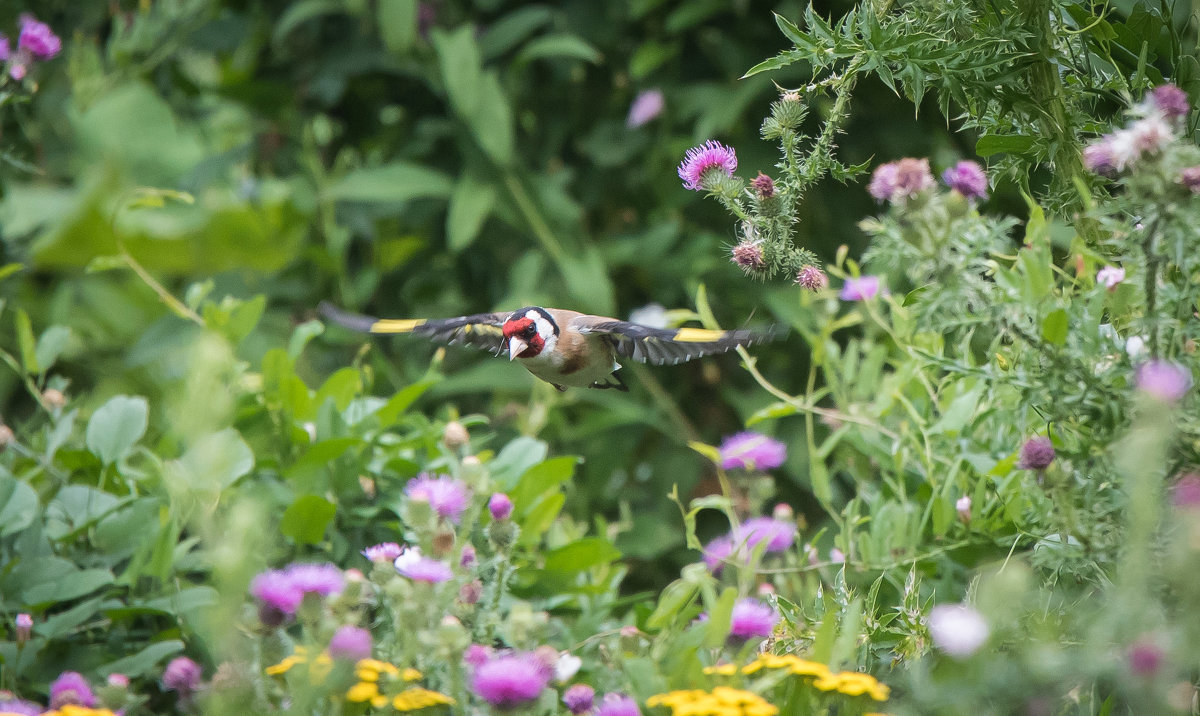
{"points": [[500, 506], [708, 157], [859, 288], [38, 39], [1190, 178], [1186, 492], [579, 698], [901, 180], [1150, 134], [510, 680], [1110, 276], [448, 497], [1166, 380], [467, 559], [963, 507], [1170, 101], [752, 619], [425, 569], [24, 624], [350, 643], [1036, 454], [717, 552], [883, 182], [322, 579], [967, 178], [812, 278], [5, 48], [837, 556], [119, 681], [748, 255], [182, 675], [646, 106], [383, 552], [618, 705], [276, 590], [764, 186], [71, 688], [19, 707], [1145, 658], [752, 451], [477, 654], [778, 535], [1099, 158]]}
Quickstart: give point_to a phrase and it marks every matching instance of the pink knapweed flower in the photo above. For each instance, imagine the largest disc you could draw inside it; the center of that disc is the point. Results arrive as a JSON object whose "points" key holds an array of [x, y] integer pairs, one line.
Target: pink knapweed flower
{"points": [[510, 680], [425, 569], [618, 705], [859, 288], [182, 675], [38, 39], [1190, 178], [447, 496], [277, 591], [752, 619], [752, 451], [967, 178], [898, 181], [1099, 158], [1170, 101], [748, 255], [708, 157], [19, 707], [1110, 276], [1185, 494], [383, 552], [717, 552], [322, 579], [763, 185], [1036, 453], [1166, 380], [71, 688], [579, 698], [778, 535], [1145, 657], [501, 506], [350, 643]]}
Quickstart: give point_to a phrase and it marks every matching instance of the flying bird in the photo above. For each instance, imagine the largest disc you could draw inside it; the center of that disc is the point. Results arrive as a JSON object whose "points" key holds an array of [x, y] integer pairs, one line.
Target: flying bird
{"points": [[563, 348]]}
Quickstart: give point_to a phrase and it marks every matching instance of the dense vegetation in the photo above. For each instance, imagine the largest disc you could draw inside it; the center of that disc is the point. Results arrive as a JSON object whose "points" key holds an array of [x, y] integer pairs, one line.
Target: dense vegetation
{"points": [[965, 479]]}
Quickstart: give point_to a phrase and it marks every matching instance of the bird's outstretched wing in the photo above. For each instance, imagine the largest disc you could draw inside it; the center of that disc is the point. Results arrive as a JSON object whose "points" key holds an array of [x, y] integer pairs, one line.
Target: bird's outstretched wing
{"points": [[482, 330], [668, 345]]}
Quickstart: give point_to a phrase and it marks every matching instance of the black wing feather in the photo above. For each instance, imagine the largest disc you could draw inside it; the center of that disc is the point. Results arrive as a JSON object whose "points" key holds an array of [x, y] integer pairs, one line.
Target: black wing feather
{"points": [[481, 330], [662, 346]]}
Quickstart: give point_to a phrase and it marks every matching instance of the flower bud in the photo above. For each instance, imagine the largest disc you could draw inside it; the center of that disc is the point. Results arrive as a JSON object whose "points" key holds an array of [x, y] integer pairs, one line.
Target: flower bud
{"points": [[500, 506], [54, 400], [455, 435], [963, 507], [471, 592]]}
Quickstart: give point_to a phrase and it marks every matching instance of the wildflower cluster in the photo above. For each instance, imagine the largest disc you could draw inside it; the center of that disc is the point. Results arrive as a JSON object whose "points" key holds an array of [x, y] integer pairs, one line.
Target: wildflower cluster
{"points": [[721, 701], [35, 42]]}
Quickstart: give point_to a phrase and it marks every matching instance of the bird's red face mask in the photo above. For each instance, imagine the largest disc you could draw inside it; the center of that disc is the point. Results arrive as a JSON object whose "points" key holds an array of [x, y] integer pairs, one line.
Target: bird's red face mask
{"points": [[523, 339]]}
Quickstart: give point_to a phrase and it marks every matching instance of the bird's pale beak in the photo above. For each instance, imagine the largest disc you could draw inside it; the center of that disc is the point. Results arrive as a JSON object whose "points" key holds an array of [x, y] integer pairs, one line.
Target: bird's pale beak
{"points": [[516, 347]]}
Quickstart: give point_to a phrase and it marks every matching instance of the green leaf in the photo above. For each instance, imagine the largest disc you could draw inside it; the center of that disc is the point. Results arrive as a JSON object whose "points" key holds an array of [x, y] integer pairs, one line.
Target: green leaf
{"points": [[1054, 327], [492, 122], [539, 519], [18, 505], [25, 342], [508, 30], [217, 459], [990, 144], [9, 269], [470, 205], [540, 479], [461, 66], [394, 182], [306, 520], [397, 24], [76, 506], [581, 555], [402, 401], [301, 335], [514, 459], [301, 12], [720, 615], [144, 662], [561, 45], [671, 602], [50, 346], [116, 427], [67, 585], [783, 59]]}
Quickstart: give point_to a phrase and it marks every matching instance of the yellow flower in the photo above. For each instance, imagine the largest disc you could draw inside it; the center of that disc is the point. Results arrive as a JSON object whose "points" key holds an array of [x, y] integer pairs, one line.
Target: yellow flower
{"points": [[410, 674], [722, 669], [722, 701], [418, 698], [73, 710], [283, 666], [853, 683], [362, 691]]}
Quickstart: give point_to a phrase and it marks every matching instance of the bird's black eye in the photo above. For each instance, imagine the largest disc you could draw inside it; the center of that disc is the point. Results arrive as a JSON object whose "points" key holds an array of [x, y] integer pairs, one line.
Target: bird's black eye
{"points": [[529, 331]]}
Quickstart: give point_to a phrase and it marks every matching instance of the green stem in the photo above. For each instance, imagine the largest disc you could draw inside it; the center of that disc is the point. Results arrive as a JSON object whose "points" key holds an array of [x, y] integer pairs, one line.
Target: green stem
{"points": [[173, 303], [533, 217]]}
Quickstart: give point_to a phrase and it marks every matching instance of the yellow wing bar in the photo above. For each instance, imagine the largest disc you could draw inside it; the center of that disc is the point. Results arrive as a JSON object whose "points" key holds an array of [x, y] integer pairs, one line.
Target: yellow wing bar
{"points": [[698, 335], [396, 325]]}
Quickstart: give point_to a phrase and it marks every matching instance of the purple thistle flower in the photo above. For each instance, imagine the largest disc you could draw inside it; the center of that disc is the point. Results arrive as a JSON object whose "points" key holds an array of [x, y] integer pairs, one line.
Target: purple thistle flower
{"points": [[859, 288], [424, 569], [276, 591], [579, 698], [646, 106], [182, 675], [1186, 492], [812, 278], [708, 157], [350, 643], [883, 182], [1166, 380], [764, 186], [322, 579], [477, 654], [716, 552], [967, 178], [1150, 134], [1036, 454], [901, 180], [1110, 276], [618, 705], [501, 506], [448, 497], [1190, 178], [467, 559], [1145, 658], [19, 707], [71, 688], [778, 535], [752, 451], [1170, 101], [1099, 157], [748, 255], [38, 39], [383, 552], [752, 619], [510, 680]]}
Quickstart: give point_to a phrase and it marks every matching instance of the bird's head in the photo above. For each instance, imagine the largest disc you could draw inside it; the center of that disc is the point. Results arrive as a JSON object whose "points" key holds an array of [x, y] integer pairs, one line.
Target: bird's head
{"points": [[530, 331]]}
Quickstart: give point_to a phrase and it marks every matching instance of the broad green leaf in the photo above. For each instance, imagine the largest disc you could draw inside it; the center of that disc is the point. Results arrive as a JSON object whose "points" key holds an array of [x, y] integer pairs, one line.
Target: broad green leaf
{"points": [[720, 615], [469, 207], [18, 505], [306, 520], [671, 602], [397, 24], [50, 346], [125, 529], [539, 519], [143, 662], [1054, 327], [513, 27], [301, 335], [492, 122], [514, 459], [66, 586], [9, 269], [298, 13], [402, 401], [394, 182], [218, 458], [116, 427], [541, 478], [76, 506], [990, 144], [559, 45], [581, 555], [59, 625], [461, 66], [25, 342]]}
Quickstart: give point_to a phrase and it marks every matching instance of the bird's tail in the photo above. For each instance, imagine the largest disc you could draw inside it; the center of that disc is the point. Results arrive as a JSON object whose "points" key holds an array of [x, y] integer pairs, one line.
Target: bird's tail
{"points": [[367, 324]]}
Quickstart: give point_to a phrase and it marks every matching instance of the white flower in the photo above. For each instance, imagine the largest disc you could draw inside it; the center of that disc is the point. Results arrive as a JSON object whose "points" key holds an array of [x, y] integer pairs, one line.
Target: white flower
{"points": [[1135, 347], [963, 507], [566, 667], [410, 556], [1151, 134], [1110, 276], [957, 629]]}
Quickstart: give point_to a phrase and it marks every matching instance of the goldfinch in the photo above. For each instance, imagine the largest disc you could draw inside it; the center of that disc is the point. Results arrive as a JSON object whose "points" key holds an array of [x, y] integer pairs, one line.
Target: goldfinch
{"points": [[563, 348]]}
